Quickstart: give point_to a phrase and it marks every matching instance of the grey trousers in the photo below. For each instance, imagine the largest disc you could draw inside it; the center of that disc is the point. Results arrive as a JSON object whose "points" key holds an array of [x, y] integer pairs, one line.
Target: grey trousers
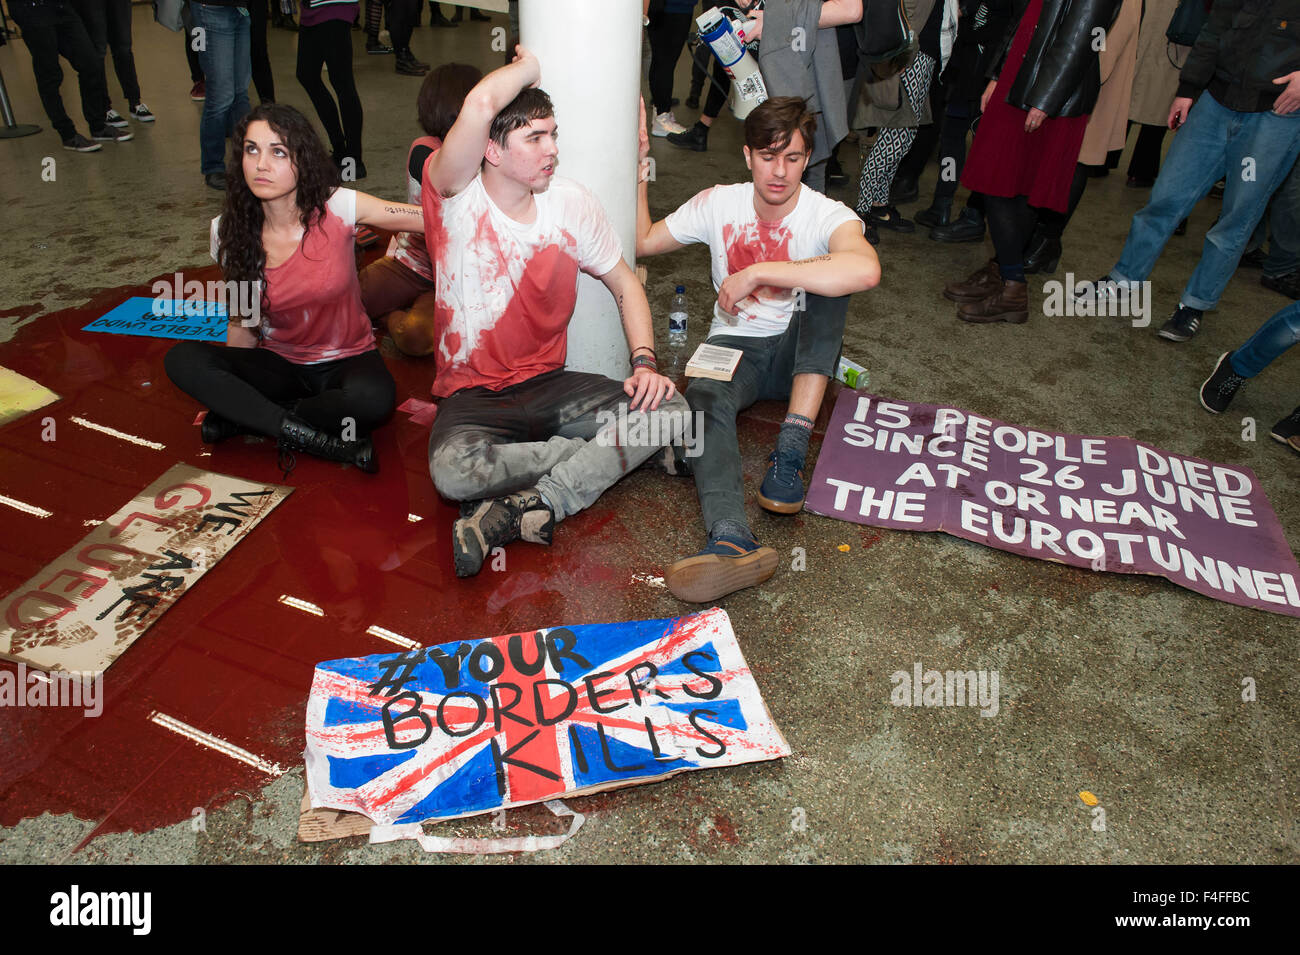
{"points": [[568, 433]]}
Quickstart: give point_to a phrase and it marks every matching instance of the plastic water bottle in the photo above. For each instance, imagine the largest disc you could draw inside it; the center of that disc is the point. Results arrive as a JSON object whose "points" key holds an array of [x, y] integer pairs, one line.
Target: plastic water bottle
{"points": [[677, 319]]}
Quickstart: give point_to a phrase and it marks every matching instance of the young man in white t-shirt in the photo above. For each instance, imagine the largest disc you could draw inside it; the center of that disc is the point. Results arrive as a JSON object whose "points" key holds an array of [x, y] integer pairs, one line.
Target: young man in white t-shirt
{"points": [[776, 245], [520, 440]]}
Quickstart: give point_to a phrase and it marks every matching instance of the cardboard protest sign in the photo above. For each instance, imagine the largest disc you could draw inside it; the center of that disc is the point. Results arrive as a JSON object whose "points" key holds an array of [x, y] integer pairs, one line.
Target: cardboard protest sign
{"points": [[82, 611], [1105, 503], [480, 725], [165, 318], [20, 395]]}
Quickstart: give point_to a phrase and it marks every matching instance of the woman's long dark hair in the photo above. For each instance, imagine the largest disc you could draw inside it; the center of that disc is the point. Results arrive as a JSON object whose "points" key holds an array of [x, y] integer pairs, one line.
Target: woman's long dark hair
{"points": [[239, 236]]}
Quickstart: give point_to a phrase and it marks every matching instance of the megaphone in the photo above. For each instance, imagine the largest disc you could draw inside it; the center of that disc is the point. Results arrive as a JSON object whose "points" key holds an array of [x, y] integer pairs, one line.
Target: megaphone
{"points": [[726, 38]]}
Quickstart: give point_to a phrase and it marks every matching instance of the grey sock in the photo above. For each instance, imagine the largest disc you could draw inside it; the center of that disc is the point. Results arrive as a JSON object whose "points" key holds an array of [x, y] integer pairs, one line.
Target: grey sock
{"points": [[793, 439], [729, 528]]}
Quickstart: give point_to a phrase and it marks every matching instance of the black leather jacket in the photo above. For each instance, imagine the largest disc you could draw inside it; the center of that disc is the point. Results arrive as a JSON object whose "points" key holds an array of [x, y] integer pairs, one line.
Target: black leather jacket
{"points": [[1060, 74]]}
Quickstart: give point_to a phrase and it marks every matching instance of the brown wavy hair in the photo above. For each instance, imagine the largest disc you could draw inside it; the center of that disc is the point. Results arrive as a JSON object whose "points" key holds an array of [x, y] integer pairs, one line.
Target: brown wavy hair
{"points": [[239, 236]]}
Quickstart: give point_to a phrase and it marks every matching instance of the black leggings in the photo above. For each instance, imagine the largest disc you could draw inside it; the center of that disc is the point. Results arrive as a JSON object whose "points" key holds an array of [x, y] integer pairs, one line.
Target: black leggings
{"points": [[1011, 223], [1053, 223], [255, 388], [667, 33], [329, 44], [263, 81]]}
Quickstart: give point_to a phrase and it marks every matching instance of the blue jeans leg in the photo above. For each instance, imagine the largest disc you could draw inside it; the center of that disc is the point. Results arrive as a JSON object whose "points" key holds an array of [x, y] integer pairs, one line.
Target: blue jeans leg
{"points": [[1195, 162], [1261, 151], [1271, 339], [227, 70]]}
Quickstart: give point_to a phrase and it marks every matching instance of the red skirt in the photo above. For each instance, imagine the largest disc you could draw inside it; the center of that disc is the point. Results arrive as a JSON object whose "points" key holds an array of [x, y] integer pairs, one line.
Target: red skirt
{"points": [[1007, 161]]}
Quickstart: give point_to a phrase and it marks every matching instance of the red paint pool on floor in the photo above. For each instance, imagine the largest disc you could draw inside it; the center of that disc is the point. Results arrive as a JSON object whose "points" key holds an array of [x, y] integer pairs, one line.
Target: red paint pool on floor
{"points": [[231, 659]]}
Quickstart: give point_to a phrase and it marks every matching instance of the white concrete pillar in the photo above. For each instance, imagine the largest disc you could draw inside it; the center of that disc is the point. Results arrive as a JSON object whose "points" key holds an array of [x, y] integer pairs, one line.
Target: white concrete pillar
{"points": [[590, 55]]}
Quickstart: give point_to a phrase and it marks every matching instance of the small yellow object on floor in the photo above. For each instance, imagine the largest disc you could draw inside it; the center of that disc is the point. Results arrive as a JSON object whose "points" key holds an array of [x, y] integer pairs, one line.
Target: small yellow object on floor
{"points": [[1088, 798], [20, 395], [844, 548]]}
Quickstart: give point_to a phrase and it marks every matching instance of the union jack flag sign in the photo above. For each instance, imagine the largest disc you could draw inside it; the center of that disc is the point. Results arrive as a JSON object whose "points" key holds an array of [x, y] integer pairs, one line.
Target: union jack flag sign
{"points": [[480, 725]]}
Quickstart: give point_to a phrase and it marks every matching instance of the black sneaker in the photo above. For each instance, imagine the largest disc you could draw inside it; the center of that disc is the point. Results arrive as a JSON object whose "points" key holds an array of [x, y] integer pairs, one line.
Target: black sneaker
{"points": [[693, 101], [1182, 325], [375, 48], [1254, 259], [1221, 386], [966, 227], [1287, 430], [888, 217], [695, 138], [215, 180], [115, 119], [1288, 285], [81, 144], [107, 134]]}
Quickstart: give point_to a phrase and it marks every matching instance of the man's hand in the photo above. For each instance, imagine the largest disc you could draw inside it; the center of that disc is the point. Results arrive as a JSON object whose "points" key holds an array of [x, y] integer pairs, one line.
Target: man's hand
{"points": [[735, 288], [1178, 111], [988, 92], [523, 56], [1034, 119], [642, 137], [1289, 100], [647, 389]]}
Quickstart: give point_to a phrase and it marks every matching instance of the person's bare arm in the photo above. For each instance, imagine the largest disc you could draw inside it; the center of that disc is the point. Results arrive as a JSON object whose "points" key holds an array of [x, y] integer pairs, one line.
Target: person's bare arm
{"points": [[839, 12], [454, 166], [239, 335], [652, 238], [390, 216], [646, 388], [849, 266]]}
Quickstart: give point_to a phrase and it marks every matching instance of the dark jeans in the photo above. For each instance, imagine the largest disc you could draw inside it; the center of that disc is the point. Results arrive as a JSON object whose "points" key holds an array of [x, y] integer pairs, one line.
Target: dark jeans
{"points": [[810, 345], [53, 29], [255, 387], [667, 33], [329, 44], [1282, 226], [557, 432], [227, 69], [108, 23]]}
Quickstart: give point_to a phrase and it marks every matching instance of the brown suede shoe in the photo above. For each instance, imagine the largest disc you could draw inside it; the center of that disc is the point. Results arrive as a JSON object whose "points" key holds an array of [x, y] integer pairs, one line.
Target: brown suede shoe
{"points": [[977, 286], [1010, 303]]}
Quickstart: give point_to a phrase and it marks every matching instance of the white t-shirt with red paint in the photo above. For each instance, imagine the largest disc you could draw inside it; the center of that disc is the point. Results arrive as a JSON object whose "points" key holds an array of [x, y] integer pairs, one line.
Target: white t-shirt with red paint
{"points": [[312, 310], [506, 290], [725, 218]]}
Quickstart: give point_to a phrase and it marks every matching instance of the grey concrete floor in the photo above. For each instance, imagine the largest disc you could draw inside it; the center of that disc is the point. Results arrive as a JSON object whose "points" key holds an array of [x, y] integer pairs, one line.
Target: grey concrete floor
{"points": [[1125, 686]]}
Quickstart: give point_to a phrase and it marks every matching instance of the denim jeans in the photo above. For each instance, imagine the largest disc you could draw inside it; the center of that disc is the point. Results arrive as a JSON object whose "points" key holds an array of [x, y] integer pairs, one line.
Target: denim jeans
{"points": [[1271, 339], [1282, 226], [556, 431], [810, 345], [1254, 151], [227, 69]]}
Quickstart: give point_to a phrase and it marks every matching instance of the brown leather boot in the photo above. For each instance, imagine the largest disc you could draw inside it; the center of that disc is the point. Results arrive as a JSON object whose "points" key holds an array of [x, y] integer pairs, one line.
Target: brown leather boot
{"points": [[1010, 303], [977, 286]]}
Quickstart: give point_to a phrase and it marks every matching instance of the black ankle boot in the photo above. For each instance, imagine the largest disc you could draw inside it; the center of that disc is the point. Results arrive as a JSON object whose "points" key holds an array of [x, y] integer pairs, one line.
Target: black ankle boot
{"points": [[298, 435], [216, 428], [1043, 253], [939, 213], [967, 227]]}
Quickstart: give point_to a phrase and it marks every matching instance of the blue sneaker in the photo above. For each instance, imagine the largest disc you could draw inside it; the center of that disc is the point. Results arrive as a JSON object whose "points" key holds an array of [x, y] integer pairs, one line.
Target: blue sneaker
{"points": [[782, 489], [726, 565]]}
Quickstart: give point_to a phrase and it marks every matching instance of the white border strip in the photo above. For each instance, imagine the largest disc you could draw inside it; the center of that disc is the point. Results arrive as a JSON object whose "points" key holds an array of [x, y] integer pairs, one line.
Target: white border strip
{"points": [[216, 743], [105, 429]]}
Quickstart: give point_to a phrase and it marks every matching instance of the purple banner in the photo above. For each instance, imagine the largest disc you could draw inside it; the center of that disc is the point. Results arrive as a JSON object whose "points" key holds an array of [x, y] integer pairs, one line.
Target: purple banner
{"points": [[1111, 504]]}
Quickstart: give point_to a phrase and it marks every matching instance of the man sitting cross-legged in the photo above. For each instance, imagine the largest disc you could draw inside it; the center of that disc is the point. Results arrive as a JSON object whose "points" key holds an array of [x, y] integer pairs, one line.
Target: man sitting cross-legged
{"points": [[525, 441], [785, 259]]}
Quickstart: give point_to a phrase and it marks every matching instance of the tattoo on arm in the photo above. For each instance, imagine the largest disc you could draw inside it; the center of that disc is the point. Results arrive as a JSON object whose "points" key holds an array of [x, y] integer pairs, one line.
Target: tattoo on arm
{"points": [[816, 258], [404, 211], [619, 301]]}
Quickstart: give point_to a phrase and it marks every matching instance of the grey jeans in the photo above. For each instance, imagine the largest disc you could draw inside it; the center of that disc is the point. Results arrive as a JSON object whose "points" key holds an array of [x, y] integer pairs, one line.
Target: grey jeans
{"points": [[557, 431]]}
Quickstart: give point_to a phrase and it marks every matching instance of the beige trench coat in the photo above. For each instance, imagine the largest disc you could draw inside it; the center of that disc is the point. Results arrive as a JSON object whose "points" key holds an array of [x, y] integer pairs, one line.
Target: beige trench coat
{"points": [[1108, 125], [1157, 78]]}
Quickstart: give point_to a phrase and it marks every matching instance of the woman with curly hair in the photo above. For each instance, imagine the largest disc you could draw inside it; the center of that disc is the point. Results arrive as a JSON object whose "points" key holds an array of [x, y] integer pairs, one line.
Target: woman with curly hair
{"points": [[300, 364]]}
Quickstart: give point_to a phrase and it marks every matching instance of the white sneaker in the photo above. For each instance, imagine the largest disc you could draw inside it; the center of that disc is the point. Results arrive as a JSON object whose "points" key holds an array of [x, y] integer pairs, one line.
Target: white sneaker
{"points": [[141, 112], [666, 123]]}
